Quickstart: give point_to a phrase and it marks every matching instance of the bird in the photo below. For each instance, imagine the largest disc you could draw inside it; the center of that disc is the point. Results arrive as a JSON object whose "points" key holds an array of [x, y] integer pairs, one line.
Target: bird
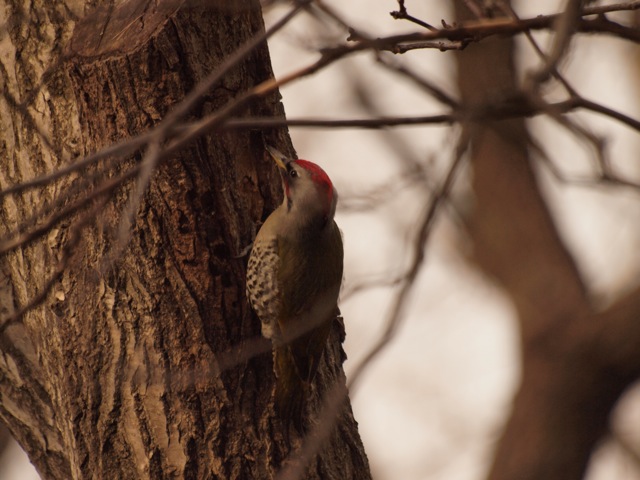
{"points": [[294, 274]]}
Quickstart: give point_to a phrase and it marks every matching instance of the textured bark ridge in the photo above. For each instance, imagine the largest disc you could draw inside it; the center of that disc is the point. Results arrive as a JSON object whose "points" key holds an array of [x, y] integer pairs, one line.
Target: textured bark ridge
{"points": [[117, 374]]}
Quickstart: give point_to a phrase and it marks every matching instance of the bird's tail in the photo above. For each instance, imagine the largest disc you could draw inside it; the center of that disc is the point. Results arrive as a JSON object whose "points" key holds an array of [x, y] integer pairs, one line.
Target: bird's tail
{"points": [[291, 389]]}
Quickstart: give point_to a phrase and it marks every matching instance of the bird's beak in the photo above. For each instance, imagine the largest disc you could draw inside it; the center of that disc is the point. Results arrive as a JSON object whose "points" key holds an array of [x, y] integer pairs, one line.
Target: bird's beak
{"points": [[278, 157]]}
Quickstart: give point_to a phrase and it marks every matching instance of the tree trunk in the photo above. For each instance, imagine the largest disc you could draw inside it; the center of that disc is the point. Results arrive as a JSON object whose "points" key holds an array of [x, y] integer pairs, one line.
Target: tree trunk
{"points": [[575, 362], [120, 372]]}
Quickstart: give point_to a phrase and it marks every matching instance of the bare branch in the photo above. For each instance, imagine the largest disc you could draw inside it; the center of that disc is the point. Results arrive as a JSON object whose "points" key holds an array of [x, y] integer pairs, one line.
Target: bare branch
{"points": [[120, 149], [366, 123], [477, 30], [145, 171], [493, 111], [508, 10], [582, 102], [418, 80]]}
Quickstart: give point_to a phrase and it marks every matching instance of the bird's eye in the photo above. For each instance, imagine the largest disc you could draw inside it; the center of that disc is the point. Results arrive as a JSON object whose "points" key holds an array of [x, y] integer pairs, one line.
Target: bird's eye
{"points": [[293, 173]]}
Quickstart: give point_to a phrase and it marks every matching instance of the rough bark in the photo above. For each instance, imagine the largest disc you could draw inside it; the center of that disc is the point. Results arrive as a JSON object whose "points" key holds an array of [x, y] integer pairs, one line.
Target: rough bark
{"points": [[575, 362], [117, 373]]}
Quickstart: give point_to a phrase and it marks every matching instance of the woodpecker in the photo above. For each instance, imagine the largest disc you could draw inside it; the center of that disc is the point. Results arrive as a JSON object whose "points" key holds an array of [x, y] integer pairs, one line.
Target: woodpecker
{"points": [[293, 279]]}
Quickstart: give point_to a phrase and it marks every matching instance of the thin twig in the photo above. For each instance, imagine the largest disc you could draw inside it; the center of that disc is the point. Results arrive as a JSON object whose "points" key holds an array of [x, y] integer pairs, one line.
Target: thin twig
{"points": [[508, 110], [582, 102], [146, 169], [402, 14], [249, 123], [401, 48], [608, 179], [120, 149], [426, 85], [203, 87], [508, 10], [480, 29]]}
